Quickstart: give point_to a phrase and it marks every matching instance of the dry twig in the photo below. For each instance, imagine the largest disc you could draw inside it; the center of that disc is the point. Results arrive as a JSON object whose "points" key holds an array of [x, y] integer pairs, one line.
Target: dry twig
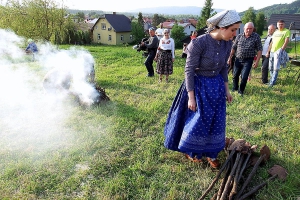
{"points": [[235, 181], [226, 189], [218, 175], [255, 189], [250, 176]]}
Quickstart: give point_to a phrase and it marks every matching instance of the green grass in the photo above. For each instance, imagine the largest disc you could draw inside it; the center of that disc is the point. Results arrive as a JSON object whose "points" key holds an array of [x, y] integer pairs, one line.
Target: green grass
{"points": [[115, 150]]}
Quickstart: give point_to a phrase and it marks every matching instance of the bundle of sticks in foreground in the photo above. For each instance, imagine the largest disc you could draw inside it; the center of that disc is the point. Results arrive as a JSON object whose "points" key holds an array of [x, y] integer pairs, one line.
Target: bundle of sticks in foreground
{"points": [[240, 156]]}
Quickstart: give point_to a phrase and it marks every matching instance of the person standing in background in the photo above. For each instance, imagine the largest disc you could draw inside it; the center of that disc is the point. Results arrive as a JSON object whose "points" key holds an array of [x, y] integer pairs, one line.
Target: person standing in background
{"points": [[31, 48], [159, 32], [280, 40], [194, 34], [165, 56], [184, 55], [246, 46], [152, 48], [265, 51]]}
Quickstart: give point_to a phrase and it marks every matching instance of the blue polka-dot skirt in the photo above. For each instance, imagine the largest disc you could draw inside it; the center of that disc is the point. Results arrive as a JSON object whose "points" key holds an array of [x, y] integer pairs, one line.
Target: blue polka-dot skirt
{"points": [[200, 133]]}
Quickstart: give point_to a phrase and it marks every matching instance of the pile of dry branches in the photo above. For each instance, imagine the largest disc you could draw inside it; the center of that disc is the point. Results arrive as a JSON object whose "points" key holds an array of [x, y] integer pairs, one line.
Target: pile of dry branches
{"points": [[240, 156]]}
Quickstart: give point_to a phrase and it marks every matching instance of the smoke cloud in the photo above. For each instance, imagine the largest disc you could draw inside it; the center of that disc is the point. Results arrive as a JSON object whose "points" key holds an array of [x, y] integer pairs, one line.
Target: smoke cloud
{"points": [[31, 119]]}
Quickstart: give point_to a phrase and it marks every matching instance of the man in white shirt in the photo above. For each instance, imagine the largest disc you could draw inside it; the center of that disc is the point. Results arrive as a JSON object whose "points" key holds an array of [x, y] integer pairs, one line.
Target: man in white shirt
{"points": [[159, 32], [265, 59]]}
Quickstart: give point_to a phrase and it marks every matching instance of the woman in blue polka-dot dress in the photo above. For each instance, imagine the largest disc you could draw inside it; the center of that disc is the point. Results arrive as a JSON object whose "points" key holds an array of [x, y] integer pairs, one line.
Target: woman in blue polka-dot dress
{"points": [[197, 119]]}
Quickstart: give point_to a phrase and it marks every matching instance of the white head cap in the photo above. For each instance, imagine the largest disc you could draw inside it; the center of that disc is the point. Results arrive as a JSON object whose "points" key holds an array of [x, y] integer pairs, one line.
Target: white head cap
{"points": [[222, 19]]}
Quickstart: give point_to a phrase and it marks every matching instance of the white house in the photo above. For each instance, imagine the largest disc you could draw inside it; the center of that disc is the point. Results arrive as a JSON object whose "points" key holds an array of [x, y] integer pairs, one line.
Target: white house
{"points": [[188, 27]]}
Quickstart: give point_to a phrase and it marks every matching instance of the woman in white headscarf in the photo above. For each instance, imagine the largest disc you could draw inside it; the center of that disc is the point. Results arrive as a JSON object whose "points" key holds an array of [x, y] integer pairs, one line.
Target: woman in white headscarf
{"points": [[197, 119]]}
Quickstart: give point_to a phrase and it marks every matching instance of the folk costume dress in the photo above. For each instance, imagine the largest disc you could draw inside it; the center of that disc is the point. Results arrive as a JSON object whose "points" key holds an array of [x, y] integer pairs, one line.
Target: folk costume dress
{"points": [[165, 54], [200, 133]]}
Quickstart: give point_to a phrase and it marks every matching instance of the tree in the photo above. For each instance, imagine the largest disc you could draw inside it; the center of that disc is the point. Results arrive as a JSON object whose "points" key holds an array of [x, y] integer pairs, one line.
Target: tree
{"points": [[206, 13], [137, 30], [39, 19], [157, 19], [34, 18], [140, 19], [260, 23], [177, 34], [94, 15], [81, 16], [249, 16], [67, 35]]}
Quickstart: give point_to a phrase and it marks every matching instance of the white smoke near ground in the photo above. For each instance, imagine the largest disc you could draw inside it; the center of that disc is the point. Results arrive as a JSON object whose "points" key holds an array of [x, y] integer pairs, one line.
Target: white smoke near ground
{"points": [[30, 119]]}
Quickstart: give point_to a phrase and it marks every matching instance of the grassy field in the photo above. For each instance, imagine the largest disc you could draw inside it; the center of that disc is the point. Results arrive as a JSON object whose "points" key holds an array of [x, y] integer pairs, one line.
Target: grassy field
{"points": [[115, 150]]}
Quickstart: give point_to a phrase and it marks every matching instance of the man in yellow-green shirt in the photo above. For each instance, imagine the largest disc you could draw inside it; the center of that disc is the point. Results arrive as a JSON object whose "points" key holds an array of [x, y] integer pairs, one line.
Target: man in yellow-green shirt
{"points": [[280, 40]]}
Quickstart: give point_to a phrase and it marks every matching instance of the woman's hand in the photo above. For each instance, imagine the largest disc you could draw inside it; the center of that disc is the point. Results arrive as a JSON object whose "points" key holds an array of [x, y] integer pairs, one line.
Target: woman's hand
{"points": [[229, 97], [192, 104]]}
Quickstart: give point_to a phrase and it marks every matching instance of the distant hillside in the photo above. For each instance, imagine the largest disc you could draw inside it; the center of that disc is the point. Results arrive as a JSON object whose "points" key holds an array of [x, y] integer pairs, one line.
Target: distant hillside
{"points": [[75, 11], [292, 8], [173, 10]]}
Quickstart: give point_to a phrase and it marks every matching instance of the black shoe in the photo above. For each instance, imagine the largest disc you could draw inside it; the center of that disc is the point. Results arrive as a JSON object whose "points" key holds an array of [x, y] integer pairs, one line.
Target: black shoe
{"points": [[241, 93]]}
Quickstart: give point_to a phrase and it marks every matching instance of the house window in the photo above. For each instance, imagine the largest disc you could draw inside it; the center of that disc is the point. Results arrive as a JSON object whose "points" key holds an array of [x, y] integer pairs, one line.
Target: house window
{"points": [[131, 37], [103, 25], [99, 37], [96, 27], [109, 37], [122, 37]]}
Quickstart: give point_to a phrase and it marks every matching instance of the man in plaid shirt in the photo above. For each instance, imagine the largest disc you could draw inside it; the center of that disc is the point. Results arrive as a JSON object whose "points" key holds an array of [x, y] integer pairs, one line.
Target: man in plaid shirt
{"points": [[246, 46]]}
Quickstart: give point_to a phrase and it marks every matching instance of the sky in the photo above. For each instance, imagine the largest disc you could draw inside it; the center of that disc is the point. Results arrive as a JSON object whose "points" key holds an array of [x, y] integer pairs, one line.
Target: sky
{"points": [[123, 6]]}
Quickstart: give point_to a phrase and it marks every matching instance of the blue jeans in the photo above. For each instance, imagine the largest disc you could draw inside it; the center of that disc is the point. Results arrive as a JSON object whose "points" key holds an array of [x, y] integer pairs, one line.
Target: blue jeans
{"points": [[241, 67], [273, 73]]}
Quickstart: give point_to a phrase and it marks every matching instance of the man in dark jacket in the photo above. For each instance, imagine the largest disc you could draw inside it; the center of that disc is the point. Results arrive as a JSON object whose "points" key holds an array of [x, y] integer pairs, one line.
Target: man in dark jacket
{"points": [[152, 48]]}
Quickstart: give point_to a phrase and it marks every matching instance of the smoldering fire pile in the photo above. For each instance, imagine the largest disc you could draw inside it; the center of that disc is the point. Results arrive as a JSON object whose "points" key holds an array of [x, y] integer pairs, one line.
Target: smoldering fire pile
{"points": [[236, 178], [103, 96], [31, 121], [100, 97], [74, 76]]}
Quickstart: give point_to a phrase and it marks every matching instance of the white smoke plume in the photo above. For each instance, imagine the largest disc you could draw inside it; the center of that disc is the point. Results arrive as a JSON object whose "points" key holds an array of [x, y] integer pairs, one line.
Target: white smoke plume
{"points": [[31, 119]]}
